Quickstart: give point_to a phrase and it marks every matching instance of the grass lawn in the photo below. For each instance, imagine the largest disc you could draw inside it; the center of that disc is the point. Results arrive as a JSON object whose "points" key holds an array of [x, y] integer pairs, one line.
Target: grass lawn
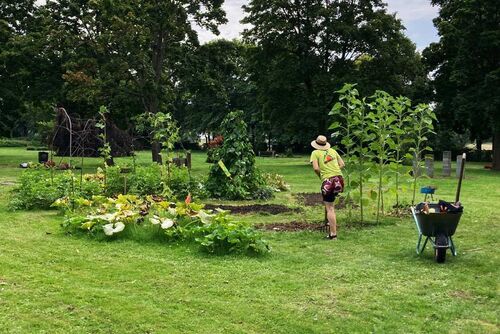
{"points": [[370, 280]]}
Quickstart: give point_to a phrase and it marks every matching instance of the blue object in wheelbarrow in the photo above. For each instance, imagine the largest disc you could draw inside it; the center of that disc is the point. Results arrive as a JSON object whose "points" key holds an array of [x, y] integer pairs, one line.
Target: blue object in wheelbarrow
{"points": [[438, 222]]}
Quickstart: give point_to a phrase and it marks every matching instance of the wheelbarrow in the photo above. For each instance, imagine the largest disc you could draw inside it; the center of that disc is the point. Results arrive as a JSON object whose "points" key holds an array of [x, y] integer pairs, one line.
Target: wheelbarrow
{"points": [[438, 227]]}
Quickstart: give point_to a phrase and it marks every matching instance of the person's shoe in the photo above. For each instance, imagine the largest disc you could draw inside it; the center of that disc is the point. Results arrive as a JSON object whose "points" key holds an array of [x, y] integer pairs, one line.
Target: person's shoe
{"points": [[332, 237]]}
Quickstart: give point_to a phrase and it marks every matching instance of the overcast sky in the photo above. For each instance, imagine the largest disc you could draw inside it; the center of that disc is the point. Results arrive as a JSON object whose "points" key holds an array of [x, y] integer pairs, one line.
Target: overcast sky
{"points": [[416, 15]]}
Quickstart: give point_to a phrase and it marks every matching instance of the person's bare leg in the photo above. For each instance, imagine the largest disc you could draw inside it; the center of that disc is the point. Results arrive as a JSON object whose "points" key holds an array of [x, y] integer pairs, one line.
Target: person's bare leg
{"points": [[332, 218]]}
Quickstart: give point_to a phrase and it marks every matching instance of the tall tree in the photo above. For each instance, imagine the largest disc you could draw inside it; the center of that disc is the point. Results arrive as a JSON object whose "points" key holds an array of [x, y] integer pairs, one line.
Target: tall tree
{"points": [[215, 82], [467, 68], [308, 49], [130, 48]]}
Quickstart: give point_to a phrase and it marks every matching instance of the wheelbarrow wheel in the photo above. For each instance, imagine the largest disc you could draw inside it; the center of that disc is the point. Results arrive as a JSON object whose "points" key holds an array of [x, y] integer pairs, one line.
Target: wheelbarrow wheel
{"points": [[440, 250], [440, 254]]}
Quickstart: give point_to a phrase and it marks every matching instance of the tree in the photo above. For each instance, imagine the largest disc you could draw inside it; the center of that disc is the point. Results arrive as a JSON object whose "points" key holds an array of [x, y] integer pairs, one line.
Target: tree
{"points": [[27, 72], [305, 49], [467, 69], [129, 49], [215, 81]]}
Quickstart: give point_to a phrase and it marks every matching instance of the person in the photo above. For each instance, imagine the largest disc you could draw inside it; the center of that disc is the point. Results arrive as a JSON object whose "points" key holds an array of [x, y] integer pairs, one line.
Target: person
{"points": [[327, 164]]}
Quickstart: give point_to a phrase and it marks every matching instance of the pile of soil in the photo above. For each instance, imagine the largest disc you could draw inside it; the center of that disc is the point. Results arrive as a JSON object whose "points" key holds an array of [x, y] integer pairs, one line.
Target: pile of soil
{"points": [[313, 199], [293, 226], [255, 208]]}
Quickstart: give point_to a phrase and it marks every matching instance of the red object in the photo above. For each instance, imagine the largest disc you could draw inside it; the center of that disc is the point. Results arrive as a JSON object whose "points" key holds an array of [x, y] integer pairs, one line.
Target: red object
{"points": [[188, 199]]}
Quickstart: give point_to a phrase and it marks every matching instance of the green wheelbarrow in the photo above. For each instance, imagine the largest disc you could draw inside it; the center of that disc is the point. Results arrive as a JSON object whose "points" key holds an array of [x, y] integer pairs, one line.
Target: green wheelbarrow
{"points": [[438, 229]]}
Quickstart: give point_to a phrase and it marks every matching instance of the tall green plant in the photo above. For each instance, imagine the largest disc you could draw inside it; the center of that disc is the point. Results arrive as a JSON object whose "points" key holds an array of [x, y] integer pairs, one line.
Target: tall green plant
{"points": [[382, 125], [401, 107], [105, 149], [351, 110], [164, 130], [235, 176], [422, 126]]}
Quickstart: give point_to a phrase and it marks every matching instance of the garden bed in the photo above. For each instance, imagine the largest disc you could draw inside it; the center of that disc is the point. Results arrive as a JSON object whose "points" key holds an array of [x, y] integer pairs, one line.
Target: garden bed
{"points": [[294, 226], [255, 208], [313, 199]]}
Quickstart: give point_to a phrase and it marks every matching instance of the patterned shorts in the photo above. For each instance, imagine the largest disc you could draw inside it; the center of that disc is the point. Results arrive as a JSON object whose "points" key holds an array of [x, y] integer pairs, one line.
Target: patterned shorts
{"points": [[331, 187]]}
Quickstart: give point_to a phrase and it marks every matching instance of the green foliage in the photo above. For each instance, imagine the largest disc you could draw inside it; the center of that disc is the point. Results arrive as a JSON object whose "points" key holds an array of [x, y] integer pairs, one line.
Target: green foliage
{"points": [[8, 142], [381, 129], [222, 236], [146, 180], [237, 155], [306, 49], [276, 182], [110, 218], [466, 75], [38, 190], [422, 127]]}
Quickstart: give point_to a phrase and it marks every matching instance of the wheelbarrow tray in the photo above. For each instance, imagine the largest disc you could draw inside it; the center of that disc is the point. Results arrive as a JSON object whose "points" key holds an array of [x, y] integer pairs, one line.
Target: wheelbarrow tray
{"points": [[433, 225]]}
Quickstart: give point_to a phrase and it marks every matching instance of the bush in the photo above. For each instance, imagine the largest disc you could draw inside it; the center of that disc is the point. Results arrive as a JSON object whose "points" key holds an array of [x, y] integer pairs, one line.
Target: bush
{"points": [[181, 183], [38, 190], [146, 180], [244, 181], [8, 142]]}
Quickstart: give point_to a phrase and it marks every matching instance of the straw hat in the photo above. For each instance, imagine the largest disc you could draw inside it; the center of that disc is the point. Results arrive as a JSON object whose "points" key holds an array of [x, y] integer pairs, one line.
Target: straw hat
{"points": [[320, 143]]}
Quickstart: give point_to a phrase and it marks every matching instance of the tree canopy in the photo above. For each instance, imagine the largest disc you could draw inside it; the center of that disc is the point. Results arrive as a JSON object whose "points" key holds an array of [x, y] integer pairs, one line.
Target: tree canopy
{"points": [[466, 68]]}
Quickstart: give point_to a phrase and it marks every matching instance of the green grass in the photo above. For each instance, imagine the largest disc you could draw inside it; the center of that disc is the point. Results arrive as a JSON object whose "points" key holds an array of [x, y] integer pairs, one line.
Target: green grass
{"points": [[370, 280]]}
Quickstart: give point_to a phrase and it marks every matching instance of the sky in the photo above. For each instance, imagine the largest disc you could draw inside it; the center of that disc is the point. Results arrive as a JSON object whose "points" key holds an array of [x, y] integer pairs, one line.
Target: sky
{"points": [[416, 15]]}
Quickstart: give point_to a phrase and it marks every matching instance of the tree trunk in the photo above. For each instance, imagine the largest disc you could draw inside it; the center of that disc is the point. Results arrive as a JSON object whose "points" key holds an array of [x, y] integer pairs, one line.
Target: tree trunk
{"points": [[496, 150]]}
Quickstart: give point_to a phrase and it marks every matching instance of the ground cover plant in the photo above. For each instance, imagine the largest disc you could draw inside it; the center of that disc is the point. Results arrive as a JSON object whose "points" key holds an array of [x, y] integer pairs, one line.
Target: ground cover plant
{"points": [[371, 280]]}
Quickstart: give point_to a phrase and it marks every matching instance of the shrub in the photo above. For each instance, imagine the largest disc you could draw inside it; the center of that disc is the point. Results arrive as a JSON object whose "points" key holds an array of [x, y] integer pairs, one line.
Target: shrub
{"points": [[38, 190], [181, 183], [243, 180], [146, 180]]}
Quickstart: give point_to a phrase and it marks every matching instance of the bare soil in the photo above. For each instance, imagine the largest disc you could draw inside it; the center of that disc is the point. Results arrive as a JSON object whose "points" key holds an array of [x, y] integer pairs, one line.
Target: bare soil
{"points": [[296, 226], [293, 226], [313, 199], [255, 208]]}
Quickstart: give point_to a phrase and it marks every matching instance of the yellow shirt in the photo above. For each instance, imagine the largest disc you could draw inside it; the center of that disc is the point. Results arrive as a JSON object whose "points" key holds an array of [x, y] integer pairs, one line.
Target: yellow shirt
{"points": [[328, 162]]}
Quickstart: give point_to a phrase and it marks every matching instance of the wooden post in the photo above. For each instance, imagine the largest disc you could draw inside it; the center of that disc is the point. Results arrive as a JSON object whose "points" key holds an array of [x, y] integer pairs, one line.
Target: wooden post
{"points": [[429, 165], [188, 160], [446, 163]]}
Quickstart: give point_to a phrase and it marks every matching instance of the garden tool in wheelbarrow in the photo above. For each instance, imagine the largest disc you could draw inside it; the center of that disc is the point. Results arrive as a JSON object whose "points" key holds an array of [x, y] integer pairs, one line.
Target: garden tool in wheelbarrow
{"points": [[437, 222]]}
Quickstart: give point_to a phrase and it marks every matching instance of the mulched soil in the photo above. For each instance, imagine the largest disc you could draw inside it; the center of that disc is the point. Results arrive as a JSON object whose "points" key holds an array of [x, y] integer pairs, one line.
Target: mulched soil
{"points": [[313, 199], [256, 208], [293, 226], [296, 226]]}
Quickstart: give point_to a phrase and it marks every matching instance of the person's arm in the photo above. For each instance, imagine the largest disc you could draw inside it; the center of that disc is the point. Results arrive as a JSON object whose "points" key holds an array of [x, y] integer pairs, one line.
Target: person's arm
{"points": [[316, 167]]}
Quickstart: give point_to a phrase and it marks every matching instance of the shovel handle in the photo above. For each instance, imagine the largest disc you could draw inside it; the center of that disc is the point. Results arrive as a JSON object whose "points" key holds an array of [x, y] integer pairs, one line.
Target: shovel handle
{"points": [[457, 197]]}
